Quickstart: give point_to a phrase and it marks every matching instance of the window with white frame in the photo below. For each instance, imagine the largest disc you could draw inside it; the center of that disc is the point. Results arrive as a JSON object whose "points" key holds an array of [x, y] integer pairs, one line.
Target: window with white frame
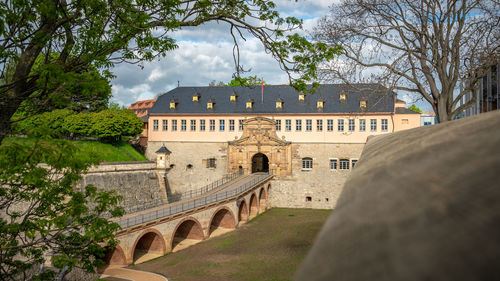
{"points": [[344, 164], [193, 125], [222, 125], [164, 124], [309, 125], [155, 125], [384, 125], [240, 124], [362, 125], [231, 125], [298, 125], [353, 163], [340, 126], [319, 125], [174, 125], [202, 125], [278, 125], [183, 125], [333, 164], [288, 125], [307, 163], [212, 125], [373, 124], [351, 125], [329, 125]]}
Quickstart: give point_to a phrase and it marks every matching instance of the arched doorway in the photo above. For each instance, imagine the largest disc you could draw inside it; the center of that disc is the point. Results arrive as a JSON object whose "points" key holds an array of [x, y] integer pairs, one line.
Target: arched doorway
{"points": [[260, 163]]}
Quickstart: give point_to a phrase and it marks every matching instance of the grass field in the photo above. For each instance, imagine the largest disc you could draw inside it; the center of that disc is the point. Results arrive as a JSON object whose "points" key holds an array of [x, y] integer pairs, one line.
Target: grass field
{"points": [[270, 247], [118, 152]]}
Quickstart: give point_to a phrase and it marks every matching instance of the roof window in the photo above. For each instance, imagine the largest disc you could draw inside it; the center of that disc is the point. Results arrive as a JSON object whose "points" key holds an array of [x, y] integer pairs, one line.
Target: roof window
{"points": [[173, 104], [196, 97], [249, 104], [320, 104], [302, 96], [342, 97], [233, 97], [279, 104], [362, 104], [210, 104]]}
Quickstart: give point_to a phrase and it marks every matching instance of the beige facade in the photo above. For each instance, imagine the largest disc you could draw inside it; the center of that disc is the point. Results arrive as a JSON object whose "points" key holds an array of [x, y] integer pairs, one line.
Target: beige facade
{"points": [[310, 154]]}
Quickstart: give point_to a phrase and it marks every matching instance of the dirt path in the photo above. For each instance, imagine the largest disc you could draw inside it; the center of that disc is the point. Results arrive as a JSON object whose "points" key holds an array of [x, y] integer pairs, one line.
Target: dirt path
{"points": [[130, 274]]}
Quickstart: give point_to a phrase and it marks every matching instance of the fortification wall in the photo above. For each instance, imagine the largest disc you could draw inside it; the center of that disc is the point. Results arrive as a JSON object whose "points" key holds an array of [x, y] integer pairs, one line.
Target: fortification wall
{"points": [[139, 183], [188, 161], [321, 184]]}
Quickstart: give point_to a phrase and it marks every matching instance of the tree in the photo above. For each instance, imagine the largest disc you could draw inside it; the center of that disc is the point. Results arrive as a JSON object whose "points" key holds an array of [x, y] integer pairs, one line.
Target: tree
{"points": [[246, 81], [414, 108], [75, 37], [112, 124], [432, 48], [42, 212], [52, 123]]}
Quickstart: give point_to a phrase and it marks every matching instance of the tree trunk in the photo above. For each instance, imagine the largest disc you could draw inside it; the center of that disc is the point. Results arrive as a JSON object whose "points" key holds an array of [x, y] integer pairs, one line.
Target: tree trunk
{"points": [[8, 107], [441, 109]]}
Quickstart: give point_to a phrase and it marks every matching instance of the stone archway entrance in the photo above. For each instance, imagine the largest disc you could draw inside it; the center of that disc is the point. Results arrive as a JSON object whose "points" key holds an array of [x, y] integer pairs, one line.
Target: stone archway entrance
{"points": [[260, 163], [259, 149]]}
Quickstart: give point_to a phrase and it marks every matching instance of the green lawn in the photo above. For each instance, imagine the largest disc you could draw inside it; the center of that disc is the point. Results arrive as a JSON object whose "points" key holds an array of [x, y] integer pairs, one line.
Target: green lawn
{"points": [[105, 152], [270, 247]]}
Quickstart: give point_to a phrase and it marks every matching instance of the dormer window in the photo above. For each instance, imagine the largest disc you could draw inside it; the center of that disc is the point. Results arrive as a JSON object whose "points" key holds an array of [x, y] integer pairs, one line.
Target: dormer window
{"points": [[233, 97], [210, 104], [362, 104], [302, 97], [249, 104], [320, 104], [173, 104], [196, 97], [279, 104], [342, 97]]}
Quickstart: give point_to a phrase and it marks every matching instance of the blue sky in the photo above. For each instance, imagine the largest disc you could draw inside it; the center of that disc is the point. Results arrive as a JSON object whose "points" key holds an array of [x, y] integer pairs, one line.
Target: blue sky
{"points": [[205, 54]]}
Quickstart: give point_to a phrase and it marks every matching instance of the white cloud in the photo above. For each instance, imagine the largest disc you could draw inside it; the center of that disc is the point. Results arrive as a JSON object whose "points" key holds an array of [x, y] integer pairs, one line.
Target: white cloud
{"points": [[205, 54]]}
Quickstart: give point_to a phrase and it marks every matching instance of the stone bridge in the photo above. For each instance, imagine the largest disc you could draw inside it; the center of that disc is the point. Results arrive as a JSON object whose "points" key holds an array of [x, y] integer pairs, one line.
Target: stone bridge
{"points": [[154, 232]]}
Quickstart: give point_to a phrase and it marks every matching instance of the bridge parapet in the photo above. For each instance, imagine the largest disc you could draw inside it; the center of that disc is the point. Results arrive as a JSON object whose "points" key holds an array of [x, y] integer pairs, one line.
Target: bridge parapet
{"points": [[173, 209]]}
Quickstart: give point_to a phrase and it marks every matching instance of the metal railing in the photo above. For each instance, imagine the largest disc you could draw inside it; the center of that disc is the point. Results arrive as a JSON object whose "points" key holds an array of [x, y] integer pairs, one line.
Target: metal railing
{"points": [[189, 205], [171, 198]]}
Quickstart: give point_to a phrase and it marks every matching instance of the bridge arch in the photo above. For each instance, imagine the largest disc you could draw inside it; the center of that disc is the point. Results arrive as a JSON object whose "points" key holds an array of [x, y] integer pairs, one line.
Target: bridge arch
{"points": [[149, 243], [262, 199], [243, 211], [253, 206], [187, 229], [223, 218]]}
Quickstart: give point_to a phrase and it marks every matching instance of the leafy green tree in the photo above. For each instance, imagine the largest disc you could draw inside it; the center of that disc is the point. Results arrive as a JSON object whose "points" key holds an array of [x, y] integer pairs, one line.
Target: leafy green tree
{"points": [[246, 81], [41, 211], [77, 37], [80, 124], [112, 124], [51, 123], [414, 108]]}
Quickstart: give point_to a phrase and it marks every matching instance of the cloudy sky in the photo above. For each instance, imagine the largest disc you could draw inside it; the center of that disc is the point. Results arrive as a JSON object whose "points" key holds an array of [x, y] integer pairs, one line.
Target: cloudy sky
{"points": [[205, 54]]}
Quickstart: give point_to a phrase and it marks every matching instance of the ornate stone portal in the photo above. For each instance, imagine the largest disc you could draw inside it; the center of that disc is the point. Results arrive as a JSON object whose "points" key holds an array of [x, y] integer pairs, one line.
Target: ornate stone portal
{"points": [[260, 149]]}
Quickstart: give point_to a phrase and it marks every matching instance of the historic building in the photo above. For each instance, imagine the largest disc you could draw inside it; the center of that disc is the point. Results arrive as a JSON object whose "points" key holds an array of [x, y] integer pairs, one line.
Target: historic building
{"points": [[309, 142], [141, 109]]}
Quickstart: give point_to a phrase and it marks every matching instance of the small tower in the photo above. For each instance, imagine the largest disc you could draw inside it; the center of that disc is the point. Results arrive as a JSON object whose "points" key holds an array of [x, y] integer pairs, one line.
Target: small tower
{"points": [[162, 157]]}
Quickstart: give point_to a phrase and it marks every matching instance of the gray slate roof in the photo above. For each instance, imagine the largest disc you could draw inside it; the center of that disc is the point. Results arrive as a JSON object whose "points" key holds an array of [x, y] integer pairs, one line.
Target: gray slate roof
{"points": [[377, 97]]}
